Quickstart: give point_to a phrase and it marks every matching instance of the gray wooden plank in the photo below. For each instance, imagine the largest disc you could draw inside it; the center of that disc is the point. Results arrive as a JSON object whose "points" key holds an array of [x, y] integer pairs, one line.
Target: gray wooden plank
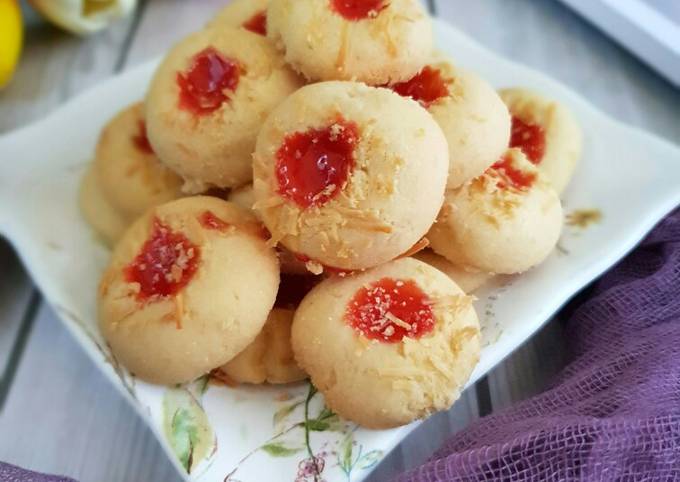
{"points": [[55, 66], [530, 369], [428, 437], [15, 293], [63, 416]]}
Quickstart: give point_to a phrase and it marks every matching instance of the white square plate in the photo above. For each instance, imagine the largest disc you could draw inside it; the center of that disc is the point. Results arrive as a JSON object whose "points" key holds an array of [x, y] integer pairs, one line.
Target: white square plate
{"points": [[259, 433]]}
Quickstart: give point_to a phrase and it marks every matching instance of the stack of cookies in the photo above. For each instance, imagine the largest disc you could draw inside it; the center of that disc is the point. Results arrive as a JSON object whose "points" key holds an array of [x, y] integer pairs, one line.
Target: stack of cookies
{"points": [[310, 190]]}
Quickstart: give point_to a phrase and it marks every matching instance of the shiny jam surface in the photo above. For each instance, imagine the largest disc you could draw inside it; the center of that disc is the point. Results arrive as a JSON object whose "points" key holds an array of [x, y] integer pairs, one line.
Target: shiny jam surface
{"points": [[390, 310], [209, 220], [293, 288], [427, 87], [312, 167], [141, 140], [257, 23], [165, 264], [205, 85], [358, 9], [510, 176], [530, 138]]}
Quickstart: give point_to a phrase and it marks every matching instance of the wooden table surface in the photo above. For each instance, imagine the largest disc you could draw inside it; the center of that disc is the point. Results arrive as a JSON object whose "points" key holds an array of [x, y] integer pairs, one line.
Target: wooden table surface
{"points": [[59, 415]]}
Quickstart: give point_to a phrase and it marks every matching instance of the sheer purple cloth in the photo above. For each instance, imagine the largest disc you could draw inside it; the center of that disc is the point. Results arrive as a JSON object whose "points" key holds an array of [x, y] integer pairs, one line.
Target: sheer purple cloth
{"points": [[11, 473], [614, 412]]}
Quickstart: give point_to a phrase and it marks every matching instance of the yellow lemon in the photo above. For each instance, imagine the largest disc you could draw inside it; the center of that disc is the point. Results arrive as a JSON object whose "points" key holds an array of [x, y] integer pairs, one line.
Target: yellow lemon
{"points": [[83, 16], [11, 34]]}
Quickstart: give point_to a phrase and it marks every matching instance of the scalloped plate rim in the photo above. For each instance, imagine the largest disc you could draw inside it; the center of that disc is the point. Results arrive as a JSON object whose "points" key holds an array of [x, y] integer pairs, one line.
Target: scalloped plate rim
{"points": [[504, 346]]}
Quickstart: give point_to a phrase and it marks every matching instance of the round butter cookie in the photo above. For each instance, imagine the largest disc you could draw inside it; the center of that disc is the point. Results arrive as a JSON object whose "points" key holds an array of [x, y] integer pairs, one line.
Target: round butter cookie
{"points": [[248, 14], [129, 173], [469, 111], [207, 102], [468, 280], [106, 221], [269, 359], [503, 222], [389, 345], [547, 132], [349, 176], [372, 41], [189, 286]]}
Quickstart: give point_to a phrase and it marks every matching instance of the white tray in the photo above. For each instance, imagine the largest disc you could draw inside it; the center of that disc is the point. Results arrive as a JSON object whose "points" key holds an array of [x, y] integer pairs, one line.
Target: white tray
{"points": [[631, 178]]}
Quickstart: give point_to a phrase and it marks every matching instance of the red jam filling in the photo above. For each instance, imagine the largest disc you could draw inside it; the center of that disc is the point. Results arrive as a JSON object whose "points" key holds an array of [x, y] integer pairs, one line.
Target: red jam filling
{"points": [[141, 140], [389, 310], [427, 87], [530, 138], [358, 9], [257, 23], [313, 167], [210, 221], [165, 265], [293, 288], [205, 85], [511, 176]]}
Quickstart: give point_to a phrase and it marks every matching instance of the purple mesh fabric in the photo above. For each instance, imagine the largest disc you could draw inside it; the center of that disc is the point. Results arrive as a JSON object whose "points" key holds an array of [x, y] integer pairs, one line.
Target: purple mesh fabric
{"points": [[614, 412], [11, 473]]}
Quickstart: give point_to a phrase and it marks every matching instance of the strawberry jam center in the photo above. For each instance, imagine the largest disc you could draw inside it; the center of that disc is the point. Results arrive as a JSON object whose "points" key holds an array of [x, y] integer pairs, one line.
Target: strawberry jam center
{"points": [[312, 167], [358, 9], [204, 86], [165, 264], [510, 176], [293, 288], [427, 87], [530, 138], [209, 220], [257, 23], [141, 140], [389, 310]]}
